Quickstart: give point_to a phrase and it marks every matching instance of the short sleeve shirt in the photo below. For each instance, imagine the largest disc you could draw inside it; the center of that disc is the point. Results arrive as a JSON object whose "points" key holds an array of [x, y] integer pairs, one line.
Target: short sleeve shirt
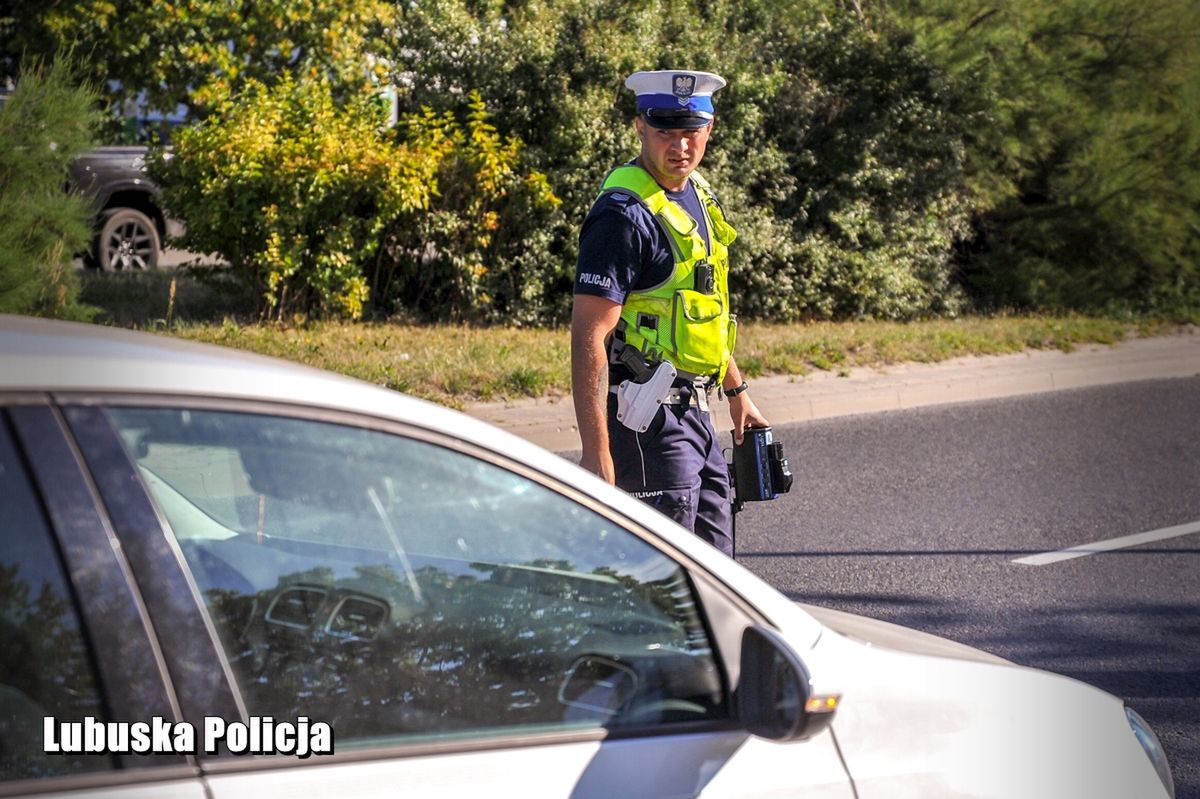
{"points": [[622, 248]]}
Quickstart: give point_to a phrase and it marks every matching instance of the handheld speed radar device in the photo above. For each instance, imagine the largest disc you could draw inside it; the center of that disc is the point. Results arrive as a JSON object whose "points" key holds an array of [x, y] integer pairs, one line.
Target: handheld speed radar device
{"points": [[760, 469]]}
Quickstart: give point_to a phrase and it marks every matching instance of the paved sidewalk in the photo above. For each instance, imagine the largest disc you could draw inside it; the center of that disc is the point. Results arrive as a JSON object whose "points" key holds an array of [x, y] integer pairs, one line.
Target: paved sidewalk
{"points": [[550, 422]]}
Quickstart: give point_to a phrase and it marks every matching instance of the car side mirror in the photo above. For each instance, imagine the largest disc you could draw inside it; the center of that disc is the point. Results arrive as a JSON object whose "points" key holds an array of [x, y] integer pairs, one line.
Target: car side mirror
{"points": [[774, 696]]}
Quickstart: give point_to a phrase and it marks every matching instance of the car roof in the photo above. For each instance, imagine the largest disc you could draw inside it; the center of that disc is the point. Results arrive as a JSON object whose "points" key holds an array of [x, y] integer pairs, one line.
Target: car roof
{"points": [[45, 355], [41, 355]]}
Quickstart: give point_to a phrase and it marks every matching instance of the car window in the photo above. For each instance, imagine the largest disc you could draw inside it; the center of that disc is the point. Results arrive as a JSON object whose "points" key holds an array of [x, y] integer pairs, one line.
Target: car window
{"points": [[402, 590], [44, 665]]}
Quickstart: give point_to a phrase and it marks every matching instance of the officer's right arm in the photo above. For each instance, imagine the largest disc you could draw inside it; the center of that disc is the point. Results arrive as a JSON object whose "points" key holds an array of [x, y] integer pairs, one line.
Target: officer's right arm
{"points": [[592, 320]]}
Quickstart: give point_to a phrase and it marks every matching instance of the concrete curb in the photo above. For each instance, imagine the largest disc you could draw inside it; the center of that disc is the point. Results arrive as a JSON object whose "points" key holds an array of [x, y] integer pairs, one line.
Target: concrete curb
{"points": [[550, 422]]}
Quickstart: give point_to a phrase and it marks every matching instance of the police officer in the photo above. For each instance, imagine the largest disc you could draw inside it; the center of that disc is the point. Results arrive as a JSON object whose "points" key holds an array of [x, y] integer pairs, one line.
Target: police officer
{"points": [[652, 287]]}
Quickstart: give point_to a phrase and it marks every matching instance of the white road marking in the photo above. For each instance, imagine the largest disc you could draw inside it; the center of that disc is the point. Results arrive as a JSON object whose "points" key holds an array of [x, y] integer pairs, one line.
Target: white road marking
{"points": [[1084, 550]]}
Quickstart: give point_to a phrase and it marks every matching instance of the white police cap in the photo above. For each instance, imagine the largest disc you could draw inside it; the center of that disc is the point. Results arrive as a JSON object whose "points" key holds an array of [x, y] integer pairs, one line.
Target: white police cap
{"points": [[675, 98]]}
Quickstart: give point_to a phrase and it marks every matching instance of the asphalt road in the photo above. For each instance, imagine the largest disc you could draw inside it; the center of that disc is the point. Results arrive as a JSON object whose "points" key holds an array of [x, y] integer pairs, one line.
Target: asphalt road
{"points": [[917, 517]]}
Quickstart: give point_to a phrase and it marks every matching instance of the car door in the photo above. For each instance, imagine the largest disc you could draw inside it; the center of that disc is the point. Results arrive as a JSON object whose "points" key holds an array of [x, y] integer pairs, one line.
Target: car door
{"points": [[76, 645], [457, 622]]}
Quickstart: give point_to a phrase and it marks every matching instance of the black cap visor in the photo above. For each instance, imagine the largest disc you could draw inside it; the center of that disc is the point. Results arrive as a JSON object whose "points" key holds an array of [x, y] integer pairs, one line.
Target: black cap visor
{"points": [[671, 119]]}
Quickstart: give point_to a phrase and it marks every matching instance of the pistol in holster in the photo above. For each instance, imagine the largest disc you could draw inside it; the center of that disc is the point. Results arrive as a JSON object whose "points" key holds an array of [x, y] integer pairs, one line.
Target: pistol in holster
{"points": [[638, 400]]}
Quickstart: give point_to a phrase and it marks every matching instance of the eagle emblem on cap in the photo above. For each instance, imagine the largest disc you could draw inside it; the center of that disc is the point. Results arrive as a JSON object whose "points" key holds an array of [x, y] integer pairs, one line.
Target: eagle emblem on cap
{"points": [[683, 86]]}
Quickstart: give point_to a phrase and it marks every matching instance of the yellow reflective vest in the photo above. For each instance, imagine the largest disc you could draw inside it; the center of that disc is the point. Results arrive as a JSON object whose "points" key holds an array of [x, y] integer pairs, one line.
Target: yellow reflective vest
{"points": [[684, 320]]}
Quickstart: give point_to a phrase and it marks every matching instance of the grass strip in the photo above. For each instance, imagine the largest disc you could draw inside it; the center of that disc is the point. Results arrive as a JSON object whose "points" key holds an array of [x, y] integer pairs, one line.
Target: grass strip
{"points": [[457, 365]]}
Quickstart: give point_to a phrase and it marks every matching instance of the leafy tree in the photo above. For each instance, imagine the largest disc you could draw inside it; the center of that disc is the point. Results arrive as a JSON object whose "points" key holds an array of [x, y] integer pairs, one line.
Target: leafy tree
{"points": [[835, 149], [869, 173], [46, 121], [877, 156], [46, 673], [1088, 171], [549, 71], [195, 52]]}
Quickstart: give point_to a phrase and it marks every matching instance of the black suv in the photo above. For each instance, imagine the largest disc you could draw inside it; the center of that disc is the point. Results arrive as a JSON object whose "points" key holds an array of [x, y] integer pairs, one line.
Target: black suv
{"points": [[130, 224]]}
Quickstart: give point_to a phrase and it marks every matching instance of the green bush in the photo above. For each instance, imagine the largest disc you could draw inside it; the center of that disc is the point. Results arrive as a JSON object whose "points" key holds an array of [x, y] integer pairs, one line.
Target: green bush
{"points": [[835, 151], [292, 191], [886, 158], [864, 171], [321, 210], [441, 263], [45, 122]]}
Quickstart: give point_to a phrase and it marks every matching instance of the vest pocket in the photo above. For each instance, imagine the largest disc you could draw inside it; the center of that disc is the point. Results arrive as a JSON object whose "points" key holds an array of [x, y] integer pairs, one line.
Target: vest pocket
{"points": [[699, 329]]}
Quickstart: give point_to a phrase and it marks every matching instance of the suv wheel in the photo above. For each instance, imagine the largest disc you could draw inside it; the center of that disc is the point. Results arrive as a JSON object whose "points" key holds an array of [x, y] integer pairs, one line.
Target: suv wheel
{"points": [[128, 241]]}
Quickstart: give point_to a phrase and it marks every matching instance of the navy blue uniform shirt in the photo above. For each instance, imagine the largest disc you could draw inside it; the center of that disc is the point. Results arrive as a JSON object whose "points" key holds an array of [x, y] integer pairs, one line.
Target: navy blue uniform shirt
{"points": [[622, 248]]}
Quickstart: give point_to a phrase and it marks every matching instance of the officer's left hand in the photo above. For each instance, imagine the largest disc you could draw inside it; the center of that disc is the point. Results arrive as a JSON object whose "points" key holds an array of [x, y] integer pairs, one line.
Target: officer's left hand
{"points": [[744, 414]]}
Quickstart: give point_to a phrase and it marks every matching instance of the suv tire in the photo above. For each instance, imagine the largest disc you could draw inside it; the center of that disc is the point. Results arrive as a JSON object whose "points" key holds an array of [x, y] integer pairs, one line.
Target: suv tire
{"points": [[128, 241]]}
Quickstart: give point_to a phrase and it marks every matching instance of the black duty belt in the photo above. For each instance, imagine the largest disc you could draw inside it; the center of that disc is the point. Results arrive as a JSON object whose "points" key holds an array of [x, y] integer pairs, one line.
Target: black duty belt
{"points": [[699, 392]]}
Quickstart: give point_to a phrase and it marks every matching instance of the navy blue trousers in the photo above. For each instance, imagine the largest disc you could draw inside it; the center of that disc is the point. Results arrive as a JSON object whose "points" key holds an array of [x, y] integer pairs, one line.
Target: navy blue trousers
{"points": [[677, 467]]}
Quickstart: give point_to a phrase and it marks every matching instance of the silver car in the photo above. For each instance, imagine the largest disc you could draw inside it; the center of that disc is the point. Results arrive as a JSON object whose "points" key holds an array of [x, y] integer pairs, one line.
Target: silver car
{"points": [[227, 576]]}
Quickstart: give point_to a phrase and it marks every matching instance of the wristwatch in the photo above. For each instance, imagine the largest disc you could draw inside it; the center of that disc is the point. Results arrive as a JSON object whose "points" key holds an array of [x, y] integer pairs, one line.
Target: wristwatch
{"points": [[733, 392]]}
